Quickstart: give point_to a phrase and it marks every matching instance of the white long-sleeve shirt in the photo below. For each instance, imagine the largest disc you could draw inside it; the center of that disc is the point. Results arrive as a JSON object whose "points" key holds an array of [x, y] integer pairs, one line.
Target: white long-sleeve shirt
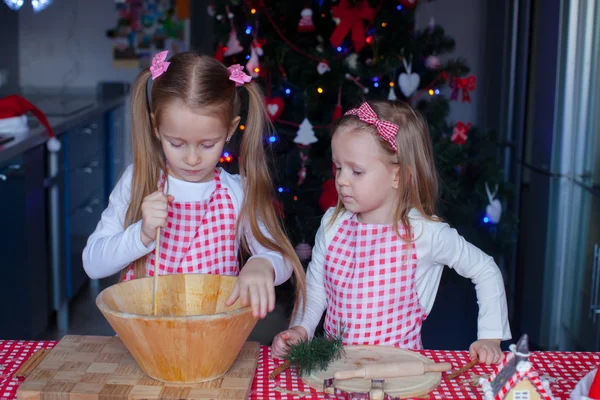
{"points": [[112, 247], [436, 245]]}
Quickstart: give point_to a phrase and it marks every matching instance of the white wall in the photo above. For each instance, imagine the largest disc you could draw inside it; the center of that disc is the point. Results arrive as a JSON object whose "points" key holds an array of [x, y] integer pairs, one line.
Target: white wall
{"points": [[66, 44]]}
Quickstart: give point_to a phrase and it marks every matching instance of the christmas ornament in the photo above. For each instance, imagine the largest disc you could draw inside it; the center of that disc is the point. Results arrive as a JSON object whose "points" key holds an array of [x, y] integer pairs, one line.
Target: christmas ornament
{"points": [[320, 48], [220, 17], [466, 84], [302, 170], [304, 251], [312, 355], [220, 52], [306, 22], [323, 67], [329, 195], [233, 45], [253, 65], [392, 95], [274, 107], [306, 134], [432, 63], [408, 82], [493, 211], [410, 4], [211, 10], [459, 133], [257, 46], [351, 21], [352, 61]]}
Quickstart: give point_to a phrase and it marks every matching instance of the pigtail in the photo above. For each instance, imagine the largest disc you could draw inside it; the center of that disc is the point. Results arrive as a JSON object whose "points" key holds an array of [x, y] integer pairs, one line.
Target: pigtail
{"points": [[258, 189], [147, 158]]}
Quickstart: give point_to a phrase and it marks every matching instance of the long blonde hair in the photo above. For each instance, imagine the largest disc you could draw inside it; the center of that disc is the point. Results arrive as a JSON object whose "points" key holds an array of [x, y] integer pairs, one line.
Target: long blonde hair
{"points": [[203, 83], [419, 187]]}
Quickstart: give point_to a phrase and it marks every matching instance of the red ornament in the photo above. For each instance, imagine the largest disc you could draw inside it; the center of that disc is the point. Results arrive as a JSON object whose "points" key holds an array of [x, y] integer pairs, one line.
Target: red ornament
{"points": [[459, 134], [337, 112], [466, 84], [351, 20], [274, 107], [220, 52], [410, 4], [306, 22], [329, 195]]}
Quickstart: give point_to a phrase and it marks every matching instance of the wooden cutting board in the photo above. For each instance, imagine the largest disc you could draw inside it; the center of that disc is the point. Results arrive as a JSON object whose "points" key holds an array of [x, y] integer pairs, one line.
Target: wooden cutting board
{"points": [[100, 367], [357, 356]]}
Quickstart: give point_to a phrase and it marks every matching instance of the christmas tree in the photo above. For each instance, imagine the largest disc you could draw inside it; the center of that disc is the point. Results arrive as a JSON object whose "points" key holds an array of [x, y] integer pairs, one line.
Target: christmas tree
{"points": [[316, 59]]}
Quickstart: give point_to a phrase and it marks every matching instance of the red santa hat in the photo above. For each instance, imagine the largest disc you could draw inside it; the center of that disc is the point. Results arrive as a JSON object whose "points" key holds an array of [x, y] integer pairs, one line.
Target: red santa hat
{"points": [[15, 106]]}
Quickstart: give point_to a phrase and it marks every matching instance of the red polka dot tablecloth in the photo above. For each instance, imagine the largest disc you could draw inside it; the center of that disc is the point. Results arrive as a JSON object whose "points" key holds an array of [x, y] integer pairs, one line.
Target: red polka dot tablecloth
{"points": [[562, 369]]}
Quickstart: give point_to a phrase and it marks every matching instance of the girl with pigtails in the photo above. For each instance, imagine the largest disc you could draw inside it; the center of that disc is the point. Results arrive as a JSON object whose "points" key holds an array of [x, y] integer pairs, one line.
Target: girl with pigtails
{"points": [[184, 110]]}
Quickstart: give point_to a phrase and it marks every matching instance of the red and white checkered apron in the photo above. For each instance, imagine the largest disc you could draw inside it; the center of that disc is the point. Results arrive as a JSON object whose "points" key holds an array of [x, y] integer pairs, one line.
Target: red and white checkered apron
{"points": [[370, 287], [199, 237]]}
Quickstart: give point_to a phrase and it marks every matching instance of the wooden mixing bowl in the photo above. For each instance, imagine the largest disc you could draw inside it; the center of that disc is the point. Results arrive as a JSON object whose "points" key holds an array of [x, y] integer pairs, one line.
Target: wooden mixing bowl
{"points": [[193, 337]]}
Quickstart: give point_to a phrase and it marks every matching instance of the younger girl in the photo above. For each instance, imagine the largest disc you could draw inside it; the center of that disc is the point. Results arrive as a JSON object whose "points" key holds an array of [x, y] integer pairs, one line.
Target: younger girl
{"points": [[379, 255], [183, 112]]}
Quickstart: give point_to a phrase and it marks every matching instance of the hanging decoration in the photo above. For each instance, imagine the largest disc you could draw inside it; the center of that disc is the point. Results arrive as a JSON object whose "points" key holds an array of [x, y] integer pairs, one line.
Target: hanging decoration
{"points": [[323, 67], [433, 63], [233, 44], [305, 135], [274, 107], [392, 94], [408, 81], [351, 21], [465, 84], [302, 170], [306, 21], [493, 211], [220, 52], [460, 133], [211, 10], [352, 62], [253, 65]]}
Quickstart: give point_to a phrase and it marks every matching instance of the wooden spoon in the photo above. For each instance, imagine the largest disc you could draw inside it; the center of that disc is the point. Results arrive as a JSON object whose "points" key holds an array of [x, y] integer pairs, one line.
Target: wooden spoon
{"points": [[155, 282]]}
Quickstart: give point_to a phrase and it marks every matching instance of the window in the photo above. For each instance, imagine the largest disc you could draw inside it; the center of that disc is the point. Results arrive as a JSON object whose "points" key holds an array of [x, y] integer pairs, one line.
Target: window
{"points": [[521, 395]]}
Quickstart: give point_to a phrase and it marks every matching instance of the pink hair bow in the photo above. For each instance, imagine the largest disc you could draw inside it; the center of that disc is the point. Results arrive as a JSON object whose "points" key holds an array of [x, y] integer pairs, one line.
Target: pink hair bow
{"points": [[159, 65], [387, 130], [238, 75]]}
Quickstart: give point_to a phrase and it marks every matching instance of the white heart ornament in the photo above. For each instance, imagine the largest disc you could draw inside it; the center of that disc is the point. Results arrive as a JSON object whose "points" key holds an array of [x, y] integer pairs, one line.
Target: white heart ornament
{"points": [[408, 83], [273, 108]]}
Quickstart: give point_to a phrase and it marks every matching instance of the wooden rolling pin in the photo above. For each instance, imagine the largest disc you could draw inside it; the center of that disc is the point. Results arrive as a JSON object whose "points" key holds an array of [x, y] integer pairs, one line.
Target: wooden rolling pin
{"points": [[392, 370]]}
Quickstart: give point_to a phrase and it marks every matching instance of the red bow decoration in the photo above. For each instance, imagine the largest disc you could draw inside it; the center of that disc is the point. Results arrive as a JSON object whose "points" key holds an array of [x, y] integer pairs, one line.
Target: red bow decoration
{"points": [[351, 19], [466, 84], [459, 134]]}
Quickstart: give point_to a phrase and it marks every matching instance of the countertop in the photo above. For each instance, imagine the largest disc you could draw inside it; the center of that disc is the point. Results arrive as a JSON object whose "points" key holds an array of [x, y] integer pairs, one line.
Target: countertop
{"points": [[64, 112]]}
